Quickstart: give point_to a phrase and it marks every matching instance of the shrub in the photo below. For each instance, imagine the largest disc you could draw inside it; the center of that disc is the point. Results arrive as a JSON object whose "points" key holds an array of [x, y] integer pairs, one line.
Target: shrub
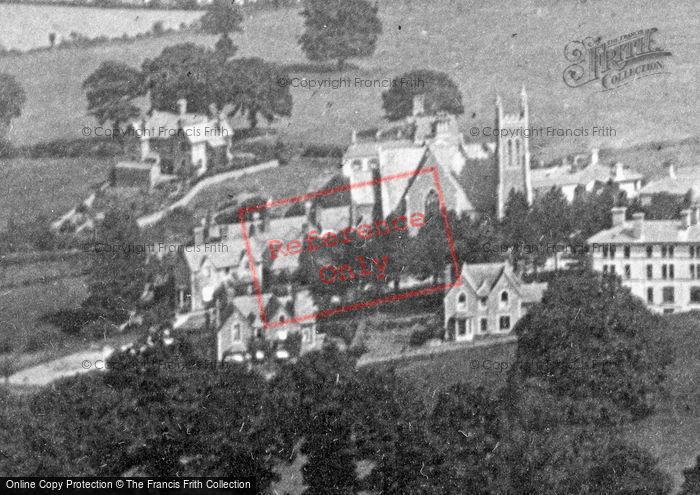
{"points": [[421, 335], [322, 151], [293, 344]]}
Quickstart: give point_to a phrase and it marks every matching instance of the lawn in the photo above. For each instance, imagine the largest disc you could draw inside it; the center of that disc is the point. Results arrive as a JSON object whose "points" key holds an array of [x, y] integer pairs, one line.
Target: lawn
{"points": [[486, 48], [50, 187]]}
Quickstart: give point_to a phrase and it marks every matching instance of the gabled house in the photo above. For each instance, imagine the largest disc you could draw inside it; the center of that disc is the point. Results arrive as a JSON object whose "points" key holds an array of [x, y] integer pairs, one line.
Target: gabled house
{"points": [[244, 324], [489, 301], [185, 144]]}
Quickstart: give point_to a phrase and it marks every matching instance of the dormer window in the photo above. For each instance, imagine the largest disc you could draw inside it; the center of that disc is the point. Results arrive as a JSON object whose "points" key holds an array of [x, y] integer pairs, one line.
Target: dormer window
{"points": [[356, 165], [482, 302], [374, 164], [504, 298]]}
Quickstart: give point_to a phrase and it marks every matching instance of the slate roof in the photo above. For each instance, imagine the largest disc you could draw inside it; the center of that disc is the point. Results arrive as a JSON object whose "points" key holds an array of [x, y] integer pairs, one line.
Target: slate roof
{"points": [[546, 178], [684, 180], [653, 231]]}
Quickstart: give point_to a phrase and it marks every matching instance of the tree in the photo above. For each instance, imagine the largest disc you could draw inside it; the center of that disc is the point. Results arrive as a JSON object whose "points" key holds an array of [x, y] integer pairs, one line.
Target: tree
{"points": [[691, 484], [12, 99], [223, 17], [182, 71], [117, 273], [591, 341], [339, 30], [251, 86], [440, 93], [111, 91]]}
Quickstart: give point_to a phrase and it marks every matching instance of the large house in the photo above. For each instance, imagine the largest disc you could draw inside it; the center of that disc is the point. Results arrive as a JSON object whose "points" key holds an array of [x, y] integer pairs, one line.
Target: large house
{"points": [[659, 260], [489, 301], [185, 144], [244, 325], [476, 178], [585, 173], [682, 183]]}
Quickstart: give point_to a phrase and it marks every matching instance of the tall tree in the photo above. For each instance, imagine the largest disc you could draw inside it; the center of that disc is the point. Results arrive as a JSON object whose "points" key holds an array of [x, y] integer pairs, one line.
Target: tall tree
{"points": [[251, 86], [182, 71], [222, 18], [440, 93], [12, 99], [594, 346], [111, 91], [339, 30], [117, 273]]}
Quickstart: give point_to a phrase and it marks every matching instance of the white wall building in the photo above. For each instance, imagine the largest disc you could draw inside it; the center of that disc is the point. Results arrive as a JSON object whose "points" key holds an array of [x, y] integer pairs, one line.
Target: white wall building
{"points": [[659, 260]]}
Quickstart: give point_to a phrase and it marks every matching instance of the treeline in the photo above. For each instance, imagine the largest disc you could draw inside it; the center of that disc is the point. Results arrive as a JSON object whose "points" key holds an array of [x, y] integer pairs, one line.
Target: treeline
{"points": [[556, 426]]}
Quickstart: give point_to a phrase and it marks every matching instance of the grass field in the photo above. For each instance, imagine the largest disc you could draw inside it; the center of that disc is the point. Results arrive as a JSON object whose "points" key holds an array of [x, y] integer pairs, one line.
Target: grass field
{"points": [[487, 48], [29, 188]]}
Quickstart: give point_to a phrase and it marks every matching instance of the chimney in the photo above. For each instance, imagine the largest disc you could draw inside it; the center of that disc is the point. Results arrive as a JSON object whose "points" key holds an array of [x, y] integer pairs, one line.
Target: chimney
{"points": [[695, 218], [617, 170], [638, 225], [418, 105], [182, 105], [266, 216], [686, 219], [618, 215], [213, 111], [199, 235], [353, 137], [671, 170], [594, 156]]}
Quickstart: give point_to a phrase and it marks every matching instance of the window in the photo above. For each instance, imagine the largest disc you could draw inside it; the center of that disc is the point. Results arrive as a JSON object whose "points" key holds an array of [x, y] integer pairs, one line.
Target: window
{"points": [[664, 272], [510, 153], [650, 295], [606, 248], [462, 326], [692, 271], [432, 204], [236, 332], [668, 311], [462, 301], [650, 272], [504, 323], [691, 251], [670, 251], [374, 164], [670, 271], [627, 251], [695, 295], [664, 250], [612, 269], [628, 271], [356, 165], [612, 251], [482, 302], [668, 295], [650, 251], [605, 269], [504, 298], [484, 325]]}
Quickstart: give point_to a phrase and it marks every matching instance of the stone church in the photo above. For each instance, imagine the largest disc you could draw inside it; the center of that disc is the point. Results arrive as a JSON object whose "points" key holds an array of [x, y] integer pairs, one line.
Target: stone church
{"points": [[476, 178]]}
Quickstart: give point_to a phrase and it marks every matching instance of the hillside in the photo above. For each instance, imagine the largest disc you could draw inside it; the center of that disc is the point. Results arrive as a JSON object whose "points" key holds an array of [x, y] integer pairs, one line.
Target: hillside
{"points": [[485, 47]]}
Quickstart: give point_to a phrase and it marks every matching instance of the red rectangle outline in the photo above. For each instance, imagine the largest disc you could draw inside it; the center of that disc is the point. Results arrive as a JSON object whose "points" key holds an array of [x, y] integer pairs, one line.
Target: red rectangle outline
{"points": [[365, 304]]}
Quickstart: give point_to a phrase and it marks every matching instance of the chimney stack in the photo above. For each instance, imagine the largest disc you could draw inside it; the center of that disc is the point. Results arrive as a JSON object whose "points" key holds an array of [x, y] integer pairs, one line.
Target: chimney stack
{"points": [[418, 105], [594, 156], [617, 170], [199, 235], [695, 219], [686, 218], [638, 225], [213, 111], [671, 170], [182, 105], [353, 137], [618, 215]]}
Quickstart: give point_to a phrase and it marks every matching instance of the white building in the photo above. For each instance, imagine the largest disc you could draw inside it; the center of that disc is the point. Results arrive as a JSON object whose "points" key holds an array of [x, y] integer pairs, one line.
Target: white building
{"points": [[681, 183], [659, 260]]}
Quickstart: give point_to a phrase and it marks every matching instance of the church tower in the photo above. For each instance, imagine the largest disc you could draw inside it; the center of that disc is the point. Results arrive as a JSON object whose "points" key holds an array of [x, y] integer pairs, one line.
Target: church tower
{"points": [[512, 153]]}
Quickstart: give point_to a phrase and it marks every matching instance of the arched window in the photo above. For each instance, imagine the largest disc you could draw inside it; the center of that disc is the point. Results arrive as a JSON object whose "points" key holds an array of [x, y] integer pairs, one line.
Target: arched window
{"points": [[509, 151], [462, 300], [374, 164], [504, 298], [356, 165], [432, 205]]}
